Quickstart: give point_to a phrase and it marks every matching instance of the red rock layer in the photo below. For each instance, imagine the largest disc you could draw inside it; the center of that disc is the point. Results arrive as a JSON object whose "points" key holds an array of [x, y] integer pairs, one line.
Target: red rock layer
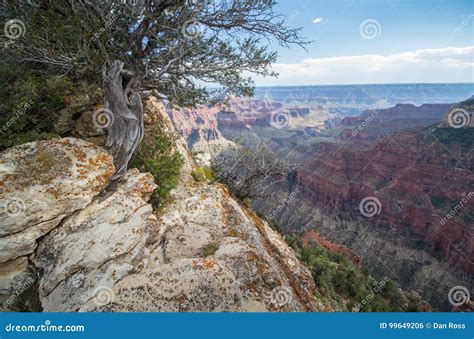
{"points": [[424, 188], [312, 235]]}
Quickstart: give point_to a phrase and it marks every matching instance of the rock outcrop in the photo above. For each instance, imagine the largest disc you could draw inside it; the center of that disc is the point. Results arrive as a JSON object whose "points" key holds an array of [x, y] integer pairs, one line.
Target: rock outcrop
{"points": [[101, 247], [211, 254], [97, 246], [199, 129], [420, 171], [460, 115], [40, 184]]}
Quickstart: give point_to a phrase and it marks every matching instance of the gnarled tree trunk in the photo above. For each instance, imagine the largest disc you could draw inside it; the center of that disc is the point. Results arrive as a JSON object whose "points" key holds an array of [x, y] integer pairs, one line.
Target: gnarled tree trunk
{"points": [[125, 131]]}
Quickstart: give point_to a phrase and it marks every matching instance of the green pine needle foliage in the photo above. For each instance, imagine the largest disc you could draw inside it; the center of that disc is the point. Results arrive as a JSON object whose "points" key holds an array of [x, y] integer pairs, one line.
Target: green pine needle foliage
{"points": [[157, 155]]}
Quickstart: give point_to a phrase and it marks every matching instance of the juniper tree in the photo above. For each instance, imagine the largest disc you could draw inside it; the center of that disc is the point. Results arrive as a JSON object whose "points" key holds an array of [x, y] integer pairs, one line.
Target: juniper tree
{"points": [[178, 49], [249, 172]]}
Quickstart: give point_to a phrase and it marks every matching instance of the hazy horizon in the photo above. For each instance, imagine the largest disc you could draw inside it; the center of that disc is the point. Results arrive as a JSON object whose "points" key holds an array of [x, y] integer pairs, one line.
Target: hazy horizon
{"points": [[372, 84]]}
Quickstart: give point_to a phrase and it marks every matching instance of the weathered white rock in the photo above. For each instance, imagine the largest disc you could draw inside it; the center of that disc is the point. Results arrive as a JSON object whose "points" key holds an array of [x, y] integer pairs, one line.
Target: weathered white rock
{"points": [[43, 182], [209, 253], [16, 277], [185, 285], [212, 254], [97, 246]]}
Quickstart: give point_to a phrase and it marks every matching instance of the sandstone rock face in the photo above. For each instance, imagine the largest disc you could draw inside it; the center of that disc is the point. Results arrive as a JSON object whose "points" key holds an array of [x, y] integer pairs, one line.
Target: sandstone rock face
{"points": [[16, 277], [96, 246], [211, 254], [40, 184], [43, 182]]}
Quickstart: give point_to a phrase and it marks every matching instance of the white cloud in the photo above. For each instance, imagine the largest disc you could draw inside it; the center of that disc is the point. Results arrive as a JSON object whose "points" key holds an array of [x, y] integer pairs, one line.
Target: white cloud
{"points": [[318, 20], [452, 64]]}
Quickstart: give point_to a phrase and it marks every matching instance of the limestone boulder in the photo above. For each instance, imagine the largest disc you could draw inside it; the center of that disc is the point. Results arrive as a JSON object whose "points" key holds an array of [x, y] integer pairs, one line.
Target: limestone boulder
{"points": [[43, 182], [97, 246]]}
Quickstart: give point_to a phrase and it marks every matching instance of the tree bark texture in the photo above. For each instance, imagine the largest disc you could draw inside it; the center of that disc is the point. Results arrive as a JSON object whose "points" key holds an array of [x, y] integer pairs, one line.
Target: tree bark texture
{"points": [[126, 129]]}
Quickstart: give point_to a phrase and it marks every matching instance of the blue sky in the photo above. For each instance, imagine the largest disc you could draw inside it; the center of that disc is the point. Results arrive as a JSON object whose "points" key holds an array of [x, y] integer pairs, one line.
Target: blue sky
{"points": [[420, 40]]}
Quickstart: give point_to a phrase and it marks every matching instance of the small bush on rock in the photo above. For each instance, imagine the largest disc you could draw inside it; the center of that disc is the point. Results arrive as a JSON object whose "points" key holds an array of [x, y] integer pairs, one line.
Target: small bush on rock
{"points": [[204, 174], [157, 155], [337, 279], [30, 104]]}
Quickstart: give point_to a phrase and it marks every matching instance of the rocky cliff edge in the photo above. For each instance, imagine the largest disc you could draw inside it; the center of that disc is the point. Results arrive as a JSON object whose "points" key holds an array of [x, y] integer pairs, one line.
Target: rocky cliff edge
{"points": [[70, 241]]}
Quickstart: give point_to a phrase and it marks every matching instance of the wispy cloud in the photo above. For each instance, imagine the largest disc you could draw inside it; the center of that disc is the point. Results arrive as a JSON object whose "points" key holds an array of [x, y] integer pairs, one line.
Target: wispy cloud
{"points": [[318, 20], [451, 64]]}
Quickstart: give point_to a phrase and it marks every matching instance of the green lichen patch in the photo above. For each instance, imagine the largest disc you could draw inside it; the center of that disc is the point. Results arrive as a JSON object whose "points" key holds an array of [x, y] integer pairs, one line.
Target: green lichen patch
{"points": [[209, 249]]}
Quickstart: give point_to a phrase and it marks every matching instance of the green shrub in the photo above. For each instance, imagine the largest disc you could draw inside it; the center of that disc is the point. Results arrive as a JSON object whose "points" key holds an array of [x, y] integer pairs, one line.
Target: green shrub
{"points": [[29, 104], [204, 174], [338, 279], [158, 156]]}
